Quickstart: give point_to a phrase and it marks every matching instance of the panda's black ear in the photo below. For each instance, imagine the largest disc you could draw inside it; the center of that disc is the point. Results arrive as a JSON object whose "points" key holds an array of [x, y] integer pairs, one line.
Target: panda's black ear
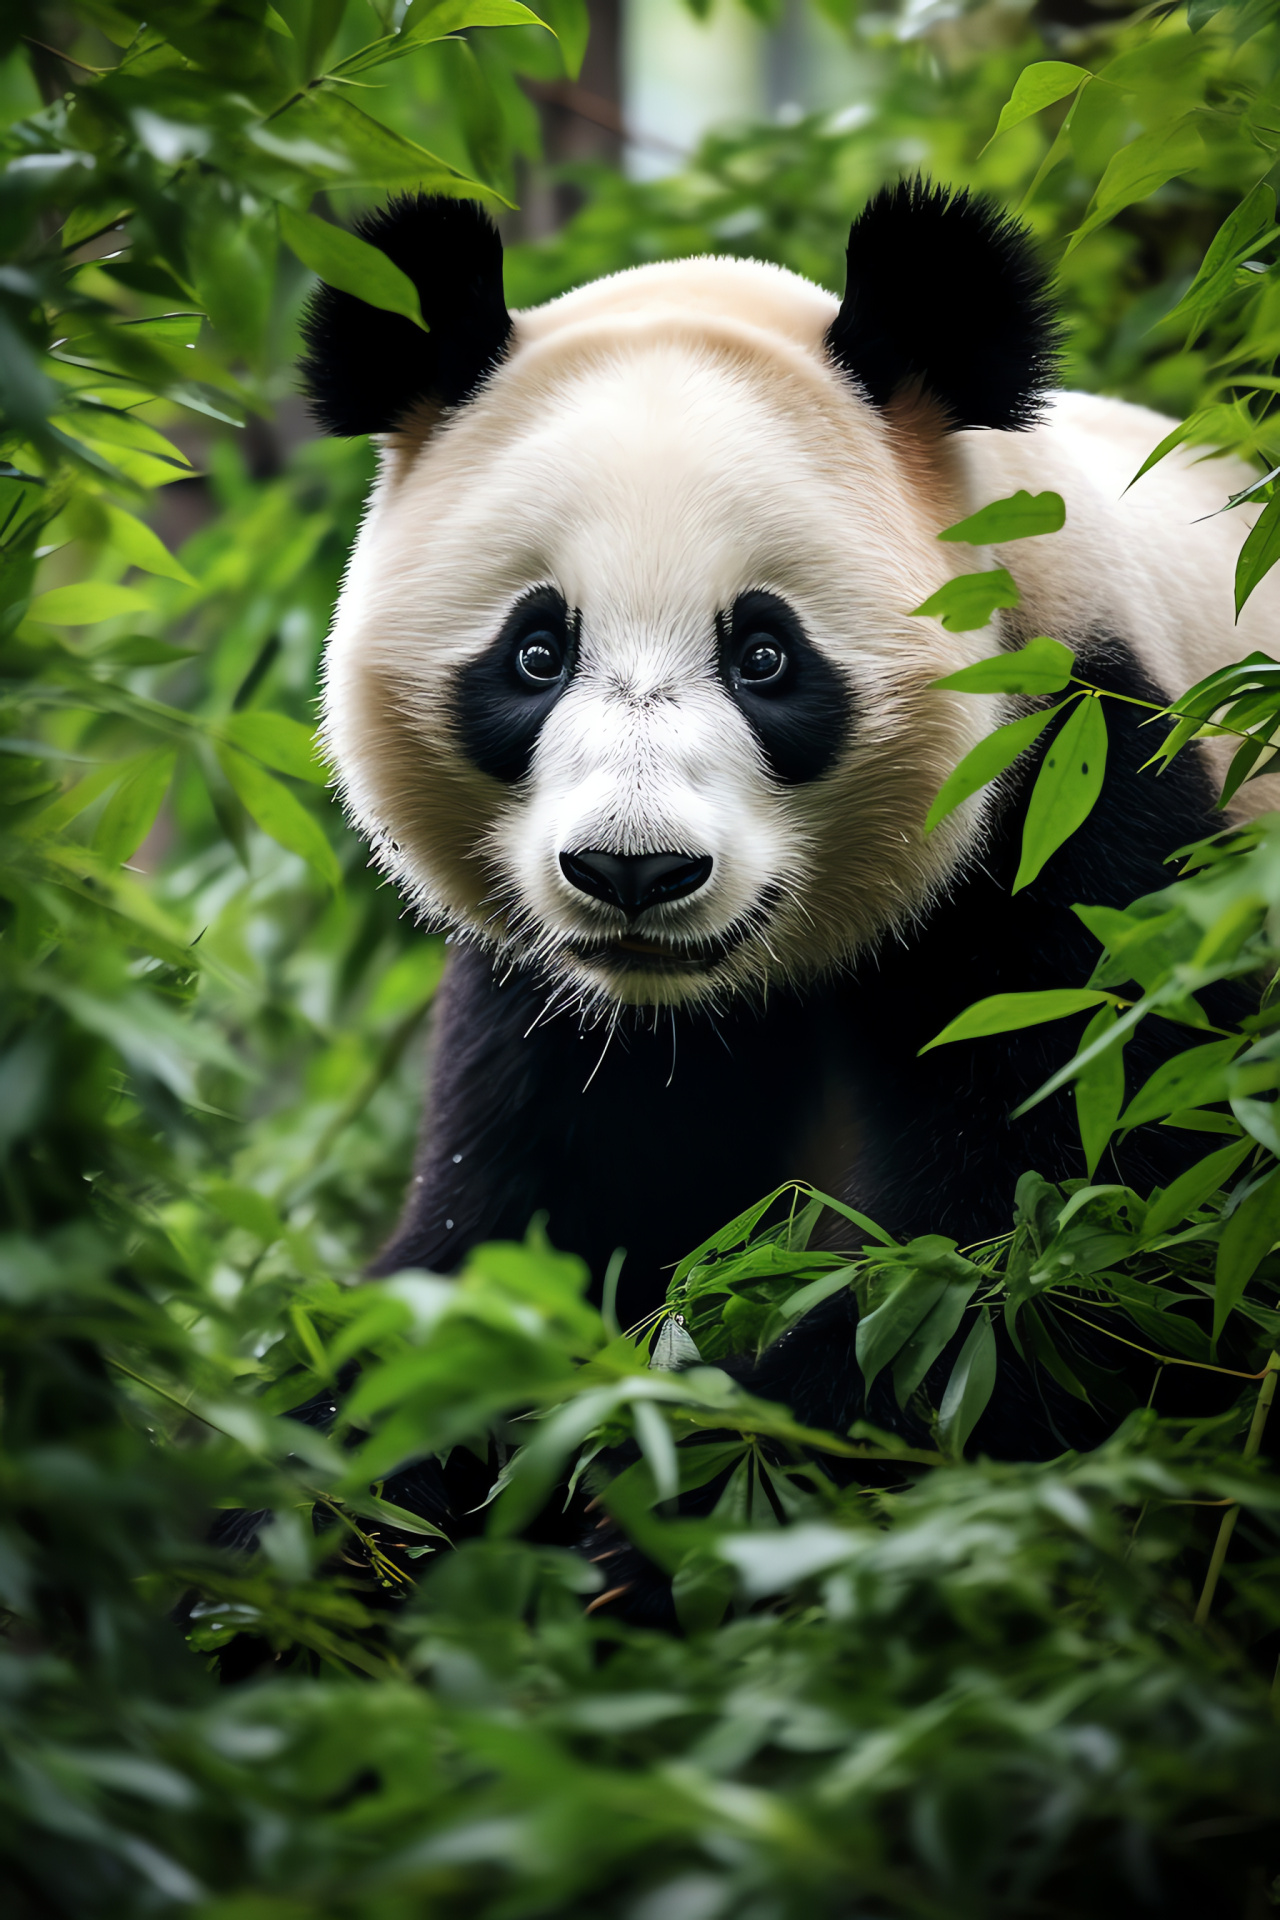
{"points": [[365, 368], [944, 296]]}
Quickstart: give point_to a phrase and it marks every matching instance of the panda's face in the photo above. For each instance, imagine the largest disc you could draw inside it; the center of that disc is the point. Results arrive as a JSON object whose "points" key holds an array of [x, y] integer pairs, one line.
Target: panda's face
{"points": [[624, 681]]}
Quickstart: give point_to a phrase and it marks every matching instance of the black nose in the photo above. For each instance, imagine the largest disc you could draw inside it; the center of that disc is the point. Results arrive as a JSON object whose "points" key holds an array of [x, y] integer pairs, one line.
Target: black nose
{"points": [[634, 881]]}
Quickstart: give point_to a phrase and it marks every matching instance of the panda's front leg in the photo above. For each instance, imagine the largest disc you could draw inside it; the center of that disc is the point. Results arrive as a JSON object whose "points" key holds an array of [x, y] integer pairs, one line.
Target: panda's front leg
{"points": [[480, 1171], [639, 1133]]}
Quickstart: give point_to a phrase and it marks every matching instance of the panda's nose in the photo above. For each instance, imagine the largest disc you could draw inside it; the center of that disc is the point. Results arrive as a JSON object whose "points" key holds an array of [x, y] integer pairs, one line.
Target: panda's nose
{"points": [[634, 881]]}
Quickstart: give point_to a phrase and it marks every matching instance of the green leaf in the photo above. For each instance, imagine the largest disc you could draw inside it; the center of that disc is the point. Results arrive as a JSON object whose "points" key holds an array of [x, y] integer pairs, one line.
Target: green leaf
{"points": [[1259, 553], [370, 1506], [282, 743], [345, 261], [970, 600], [882, 1332], [278, 813], [1041, 666], [1019, 517], [918, 1352], [1190, 1079], [1010, 1012], [1139, 170], [1038, 86], [1099, 1090], [653, 1436], [1249, 226], [426, 24], [970, 1387], [246, 1207], [571, 21], [143, 548], [1247, 1238], [1226, 424], [130, 813], [1192, 1188], [85, 603], [701, 1588], [1045, 1350], [327, 134], [1258, 1117], [1197, 1120], [986, 762], [142, 650], [1067, 785]]}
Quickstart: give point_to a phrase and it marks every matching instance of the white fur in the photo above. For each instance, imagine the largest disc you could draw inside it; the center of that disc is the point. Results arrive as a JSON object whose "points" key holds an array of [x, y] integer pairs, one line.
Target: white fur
{"points": [[654, 446]]}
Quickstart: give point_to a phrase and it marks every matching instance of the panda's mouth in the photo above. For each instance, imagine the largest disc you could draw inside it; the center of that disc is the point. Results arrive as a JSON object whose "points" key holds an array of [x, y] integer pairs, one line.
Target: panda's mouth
{"points": [[632, 953]]}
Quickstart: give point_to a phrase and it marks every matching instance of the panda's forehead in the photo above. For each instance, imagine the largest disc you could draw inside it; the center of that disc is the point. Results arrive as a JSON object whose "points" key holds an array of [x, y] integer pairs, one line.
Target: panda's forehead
{"points": [[651, 482]]}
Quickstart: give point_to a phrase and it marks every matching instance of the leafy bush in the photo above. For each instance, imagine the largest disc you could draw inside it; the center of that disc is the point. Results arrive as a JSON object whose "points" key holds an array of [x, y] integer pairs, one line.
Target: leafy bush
{"points": [[912, 1685]]}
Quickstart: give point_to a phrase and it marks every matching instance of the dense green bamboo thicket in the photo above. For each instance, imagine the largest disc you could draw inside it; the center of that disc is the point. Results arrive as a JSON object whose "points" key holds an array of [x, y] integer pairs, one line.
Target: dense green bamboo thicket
{"points": [[951, 1688]]}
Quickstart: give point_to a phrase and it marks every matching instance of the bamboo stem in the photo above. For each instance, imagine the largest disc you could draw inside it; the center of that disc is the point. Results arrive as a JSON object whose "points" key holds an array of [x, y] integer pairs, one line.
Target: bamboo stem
{"points": [[1253, 1440]]}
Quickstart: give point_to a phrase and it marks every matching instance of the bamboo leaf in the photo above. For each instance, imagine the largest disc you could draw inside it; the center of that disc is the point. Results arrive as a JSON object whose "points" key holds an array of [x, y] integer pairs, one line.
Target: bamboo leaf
{"points": [[1009, 1012], [1037, 87], [1041, 666], [882, 1332], [284, 744], [1259, 553], [278, 813], [653, 1436], [970, 599], [143, 548], [1247, 227], [1099, 1090], [130, 813], [345, 261], [85, 603], [1247, 1238], [1067, 785], [1139, 170], [425, 25], [922, 1347], [986, 762], [1190, 1079], [1225, 424], [970, 1387], [1019, 517]]}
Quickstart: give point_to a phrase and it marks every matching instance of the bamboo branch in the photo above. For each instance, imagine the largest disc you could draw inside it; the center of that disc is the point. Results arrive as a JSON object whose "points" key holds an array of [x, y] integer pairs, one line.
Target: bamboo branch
{"points": [[1253, 1440]]}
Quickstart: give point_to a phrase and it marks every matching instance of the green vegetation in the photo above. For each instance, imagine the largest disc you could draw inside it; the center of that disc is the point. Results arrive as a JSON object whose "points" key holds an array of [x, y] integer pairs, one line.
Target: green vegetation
{"points": [[950, 1689]]}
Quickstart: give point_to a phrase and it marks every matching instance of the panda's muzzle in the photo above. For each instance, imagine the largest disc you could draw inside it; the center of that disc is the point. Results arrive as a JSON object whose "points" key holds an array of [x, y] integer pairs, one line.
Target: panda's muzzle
{"points": [[636, 881]]}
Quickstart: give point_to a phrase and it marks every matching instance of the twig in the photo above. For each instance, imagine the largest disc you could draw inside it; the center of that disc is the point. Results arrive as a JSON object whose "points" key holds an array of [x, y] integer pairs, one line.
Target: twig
{"points": [[1253, 1440], [1166, 1359], [598, 112], [70, 59]]}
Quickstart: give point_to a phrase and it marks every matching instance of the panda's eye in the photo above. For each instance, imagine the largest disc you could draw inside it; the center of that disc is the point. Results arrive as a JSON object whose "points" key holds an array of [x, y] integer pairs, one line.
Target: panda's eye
{"points": [[540, 658], [762, 661]]}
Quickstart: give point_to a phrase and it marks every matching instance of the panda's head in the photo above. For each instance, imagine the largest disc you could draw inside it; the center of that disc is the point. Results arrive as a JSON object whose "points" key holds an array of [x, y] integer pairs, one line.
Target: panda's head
{"points": [[624, 680]]}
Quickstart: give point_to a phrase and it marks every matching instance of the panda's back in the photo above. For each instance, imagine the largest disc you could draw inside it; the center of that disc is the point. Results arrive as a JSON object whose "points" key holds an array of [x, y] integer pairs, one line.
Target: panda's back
{"points": [[1150, 561]]}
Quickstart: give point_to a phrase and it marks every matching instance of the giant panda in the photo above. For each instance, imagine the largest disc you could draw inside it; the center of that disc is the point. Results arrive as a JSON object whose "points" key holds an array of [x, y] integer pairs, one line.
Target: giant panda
{"points": [[625, 690]]}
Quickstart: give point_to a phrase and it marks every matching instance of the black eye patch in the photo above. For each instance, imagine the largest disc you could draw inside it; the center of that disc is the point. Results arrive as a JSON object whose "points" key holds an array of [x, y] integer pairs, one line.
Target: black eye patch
{"points": [[794, 700], [502, 699]]}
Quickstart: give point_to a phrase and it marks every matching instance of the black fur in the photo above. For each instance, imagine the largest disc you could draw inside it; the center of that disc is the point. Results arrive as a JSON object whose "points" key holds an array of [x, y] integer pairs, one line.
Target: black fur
{"points": [[686, 1123], [365, 368], [801, 719], [944, 295], [498, 714]]}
